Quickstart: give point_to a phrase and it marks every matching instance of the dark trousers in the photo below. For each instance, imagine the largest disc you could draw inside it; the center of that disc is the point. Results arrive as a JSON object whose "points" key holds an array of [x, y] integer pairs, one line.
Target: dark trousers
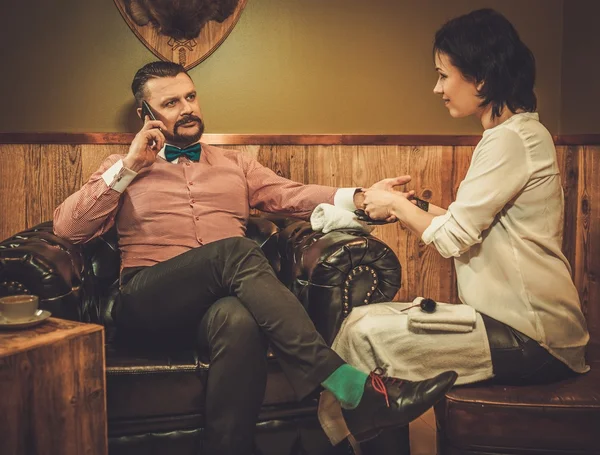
{"points": [[226, 296], [520, 360]]}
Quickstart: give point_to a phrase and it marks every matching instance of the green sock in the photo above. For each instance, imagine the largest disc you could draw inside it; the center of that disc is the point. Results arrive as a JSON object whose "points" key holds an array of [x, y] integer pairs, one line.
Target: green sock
{"points": [[347, 384]]}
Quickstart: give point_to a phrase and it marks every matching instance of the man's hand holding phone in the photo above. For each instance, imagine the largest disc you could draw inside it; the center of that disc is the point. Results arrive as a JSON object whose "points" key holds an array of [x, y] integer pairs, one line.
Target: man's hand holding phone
{"points": [[147, 142]]}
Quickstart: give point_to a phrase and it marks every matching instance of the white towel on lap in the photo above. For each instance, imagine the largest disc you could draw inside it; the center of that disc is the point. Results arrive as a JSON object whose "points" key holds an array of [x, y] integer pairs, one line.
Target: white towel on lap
{"points": [[377, 335], [327, 217], [446, 318]]}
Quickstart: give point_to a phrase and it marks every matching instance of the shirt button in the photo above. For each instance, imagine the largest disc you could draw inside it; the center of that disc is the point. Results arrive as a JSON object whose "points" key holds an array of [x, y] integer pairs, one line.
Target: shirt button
{"points": [[187, 164], [193, 201], [190, 183], [197, 218], [199, 240]]}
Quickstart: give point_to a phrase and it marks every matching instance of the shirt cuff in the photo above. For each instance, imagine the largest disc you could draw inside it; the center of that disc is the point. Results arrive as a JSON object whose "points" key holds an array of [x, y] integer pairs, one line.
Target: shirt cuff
{"points": [[444, 246], [344, 198], [118, 177]]}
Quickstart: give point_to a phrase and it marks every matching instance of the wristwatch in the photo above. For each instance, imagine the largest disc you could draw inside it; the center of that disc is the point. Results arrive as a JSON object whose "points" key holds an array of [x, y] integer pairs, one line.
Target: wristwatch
{"points": [[423, 205]]}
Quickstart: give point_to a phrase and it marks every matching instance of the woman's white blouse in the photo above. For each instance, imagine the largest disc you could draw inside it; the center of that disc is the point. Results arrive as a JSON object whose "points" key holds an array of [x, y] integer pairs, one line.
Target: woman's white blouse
{"points": [[505, 233]]}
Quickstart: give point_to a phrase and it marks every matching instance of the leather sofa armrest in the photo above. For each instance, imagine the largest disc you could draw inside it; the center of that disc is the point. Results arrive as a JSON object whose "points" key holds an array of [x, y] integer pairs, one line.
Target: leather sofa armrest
{"points": [[35, 261], [335, 272]]}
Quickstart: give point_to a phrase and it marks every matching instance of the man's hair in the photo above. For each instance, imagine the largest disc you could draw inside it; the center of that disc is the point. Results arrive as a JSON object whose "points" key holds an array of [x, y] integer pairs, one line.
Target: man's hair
{"points": [[486, 48], [150, 71]]}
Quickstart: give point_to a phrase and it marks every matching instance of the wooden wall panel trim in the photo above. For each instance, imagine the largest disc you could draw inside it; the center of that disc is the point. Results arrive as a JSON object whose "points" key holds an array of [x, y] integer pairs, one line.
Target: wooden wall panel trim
{"points": [[280, 139], [577, 139], [66, 138], [246, 139]]}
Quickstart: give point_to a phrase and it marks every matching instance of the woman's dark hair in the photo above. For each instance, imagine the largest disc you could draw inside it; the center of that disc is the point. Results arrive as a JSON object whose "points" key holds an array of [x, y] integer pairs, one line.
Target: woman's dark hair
{"points": [[150, 71], [486, 48]]}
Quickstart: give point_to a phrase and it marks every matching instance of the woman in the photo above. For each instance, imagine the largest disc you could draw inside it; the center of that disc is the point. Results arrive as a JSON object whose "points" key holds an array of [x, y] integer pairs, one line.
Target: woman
{"points": [[504, 231]]}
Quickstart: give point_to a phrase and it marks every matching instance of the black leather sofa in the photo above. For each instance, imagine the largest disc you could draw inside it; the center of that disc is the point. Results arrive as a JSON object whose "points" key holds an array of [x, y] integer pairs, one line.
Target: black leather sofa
{"points": [[155, 398]]}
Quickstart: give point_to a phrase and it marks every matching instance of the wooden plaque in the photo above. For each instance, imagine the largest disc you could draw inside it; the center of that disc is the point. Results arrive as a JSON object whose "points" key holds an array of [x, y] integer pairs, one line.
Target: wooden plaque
{"points": [[188, 52]]}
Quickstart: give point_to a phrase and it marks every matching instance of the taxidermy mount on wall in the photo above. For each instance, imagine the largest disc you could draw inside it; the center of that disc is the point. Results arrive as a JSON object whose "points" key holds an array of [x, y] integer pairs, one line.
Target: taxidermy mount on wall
{"points": [[179, 19], [182, 31]]}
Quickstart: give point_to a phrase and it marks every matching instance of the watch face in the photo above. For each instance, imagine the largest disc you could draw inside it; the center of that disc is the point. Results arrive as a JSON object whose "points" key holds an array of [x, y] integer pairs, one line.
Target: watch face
{"points": [[423, 205]]}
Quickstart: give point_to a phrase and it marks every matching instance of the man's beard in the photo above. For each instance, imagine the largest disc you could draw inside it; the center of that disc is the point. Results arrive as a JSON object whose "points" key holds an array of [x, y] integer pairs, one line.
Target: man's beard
{"points": [[185, 139]]}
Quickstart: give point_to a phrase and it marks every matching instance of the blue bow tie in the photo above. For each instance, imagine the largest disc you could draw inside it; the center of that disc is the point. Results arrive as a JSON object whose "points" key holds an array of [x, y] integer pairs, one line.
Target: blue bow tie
{"points": [[192, 152]]}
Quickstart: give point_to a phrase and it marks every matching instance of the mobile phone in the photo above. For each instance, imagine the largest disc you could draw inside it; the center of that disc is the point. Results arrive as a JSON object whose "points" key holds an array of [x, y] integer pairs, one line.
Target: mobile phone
{"points": [[146, 111]]}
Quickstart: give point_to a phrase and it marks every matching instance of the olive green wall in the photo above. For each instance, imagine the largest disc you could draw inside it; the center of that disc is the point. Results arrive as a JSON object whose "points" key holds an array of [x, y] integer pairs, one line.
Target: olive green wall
{"points": [[289, 66], [580, 111]]}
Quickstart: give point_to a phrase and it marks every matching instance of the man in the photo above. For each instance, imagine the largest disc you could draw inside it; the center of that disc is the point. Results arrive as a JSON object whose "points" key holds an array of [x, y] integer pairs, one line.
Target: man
{"points": [[180, 208]]}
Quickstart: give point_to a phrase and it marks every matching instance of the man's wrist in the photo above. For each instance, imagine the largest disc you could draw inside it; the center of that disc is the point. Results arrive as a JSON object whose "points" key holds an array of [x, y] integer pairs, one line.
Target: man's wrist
{"points": [[359, 198], [118, 176], [130, 164]]}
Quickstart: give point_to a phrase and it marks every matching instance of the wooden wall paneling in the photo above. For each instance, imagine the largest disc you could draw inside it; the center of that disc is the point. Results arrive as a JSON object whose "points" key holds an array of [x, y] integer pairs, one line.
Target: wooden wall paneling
{"points": [[92, 156], [587, 255], [332, 165], [460, 165], [369, 165], [592, 169], [568, 163], [429, 274], [278, 160], [35, 178], [296, 160], [53, 172], [13, 187], [581, 232]]}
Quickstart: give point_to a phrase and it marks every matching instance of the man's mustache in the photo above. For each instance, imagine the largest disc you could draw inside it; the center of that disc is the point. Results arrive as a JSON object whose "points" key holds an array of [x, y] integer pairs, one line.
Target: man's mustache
{"points": [[187, 119]]}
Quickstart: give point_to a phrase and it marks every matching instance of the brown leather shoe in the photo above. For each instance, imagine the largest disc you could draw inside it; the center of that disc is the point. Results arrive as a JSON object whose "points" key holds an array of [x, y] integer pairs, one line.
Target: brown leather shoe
{"points": [[392, 402]]}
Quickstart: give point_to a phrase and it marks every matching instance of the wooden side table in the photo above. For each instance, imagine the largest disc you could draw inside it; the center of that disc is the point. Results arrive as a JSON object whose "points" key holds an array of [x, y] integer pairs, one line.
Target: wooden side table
{"points": [[52, 390]]}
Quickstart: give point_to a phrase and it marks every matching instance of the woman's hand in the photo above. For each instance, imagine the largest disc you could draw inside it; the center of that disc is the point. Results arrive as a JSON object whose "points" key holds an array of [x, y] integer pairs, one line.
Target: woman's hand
{"points": [[383, 185], [380, 204], [389, 184]]}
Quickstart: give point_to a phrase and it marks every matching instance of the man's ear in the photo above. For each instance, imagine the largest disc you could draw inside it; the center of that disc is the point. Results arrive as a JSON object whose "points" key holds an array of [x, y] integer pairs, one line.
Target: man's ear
{"points": [[139, 112], [480, 85]]}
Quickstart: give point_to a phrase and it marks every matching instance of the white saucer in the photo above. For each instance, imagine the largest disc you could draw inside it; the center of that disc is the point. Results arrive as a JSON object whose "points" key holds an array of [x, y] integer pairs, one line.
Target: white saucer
{"points": [[24, 323]]}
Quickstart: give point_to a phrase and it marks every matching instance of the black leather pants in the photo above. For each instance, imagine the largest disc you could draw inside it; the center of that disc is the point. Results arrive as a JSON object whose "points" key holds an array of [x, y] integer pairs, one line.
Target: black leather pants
{"points": [[227, 292], [519, 360]]}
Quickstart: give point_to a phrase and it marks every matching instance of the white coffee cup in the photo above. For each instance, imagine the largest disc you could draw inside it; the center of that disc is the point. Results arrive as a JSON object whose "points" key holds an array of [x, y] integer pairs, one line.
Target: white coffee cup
{"points": [[18, 307]]}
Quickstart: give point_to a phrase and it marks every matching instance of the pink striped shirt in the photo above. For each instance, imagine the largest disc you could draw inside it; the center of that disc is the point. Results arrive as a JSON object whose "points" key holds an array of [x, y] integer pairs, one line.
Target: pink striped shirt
{"points": [[170, 208]]}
